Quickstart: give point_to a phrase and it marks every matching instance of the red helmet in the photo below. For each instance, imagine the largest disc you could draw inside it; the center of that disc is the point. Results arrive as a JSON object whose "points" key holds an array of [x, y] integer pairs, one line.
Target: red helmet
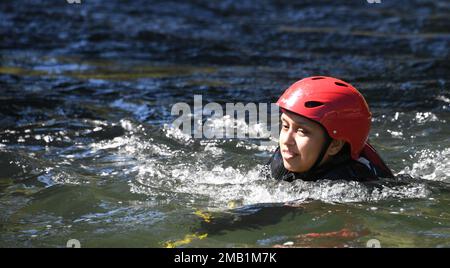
{"points": [[335, 104]]}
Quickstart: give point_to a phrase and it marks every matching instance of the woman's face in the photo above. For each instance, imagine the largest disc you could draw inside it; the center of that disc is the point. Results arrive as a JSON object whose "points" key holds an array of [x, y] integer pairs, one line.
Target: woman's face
{"points": [[301, 141]]}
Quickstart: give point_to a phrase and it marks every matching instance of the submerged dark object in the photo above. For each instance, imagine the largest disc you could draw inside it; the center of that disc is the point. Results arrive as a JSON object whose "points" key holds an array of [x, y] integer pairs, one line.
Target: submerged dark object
{"points": [[248, 217]]}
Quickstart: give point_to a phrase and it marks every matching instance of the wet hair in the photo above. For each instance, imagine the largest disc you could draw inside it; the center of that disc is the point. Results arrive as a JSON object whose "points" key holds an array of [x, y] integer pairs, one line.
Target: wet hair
{"points": [[342, 156], [345, 152]]}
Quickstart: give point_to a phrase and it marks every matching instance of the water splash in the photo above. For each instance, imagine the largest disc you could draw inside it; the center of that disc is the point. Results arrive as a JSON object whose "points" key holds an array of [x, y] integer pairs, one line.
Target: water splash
{"points": [[224, 185], [430, 165]]}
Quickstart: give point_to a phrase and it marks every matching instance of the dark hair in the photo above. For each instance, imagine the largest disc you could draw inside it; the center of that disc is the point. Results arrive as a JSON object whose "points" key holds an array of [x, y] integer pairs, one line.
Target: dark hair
{"points": [[343, 155]]}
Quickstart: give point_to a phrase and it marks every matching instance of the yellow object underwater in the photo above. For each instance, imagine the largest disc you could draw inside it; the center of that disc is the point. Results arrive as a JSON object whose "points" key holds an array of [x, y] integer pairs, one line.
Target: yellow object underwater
{"points": [[204, 215], [190, 237], [186, 240]]}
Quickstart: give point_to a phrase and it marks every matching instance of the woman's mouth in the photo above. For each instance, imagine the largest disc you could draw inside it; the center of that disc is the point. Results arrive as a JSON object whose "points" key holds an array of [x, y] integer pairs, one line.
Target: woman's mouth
{"points": [[288, 154]]}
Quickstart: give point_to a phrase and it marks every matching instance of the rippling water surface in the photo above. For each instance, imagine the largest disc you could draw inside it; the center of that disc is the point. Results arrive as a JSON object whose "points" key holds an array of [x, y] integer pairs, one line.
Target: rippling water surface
{"points": [[87, 149]]}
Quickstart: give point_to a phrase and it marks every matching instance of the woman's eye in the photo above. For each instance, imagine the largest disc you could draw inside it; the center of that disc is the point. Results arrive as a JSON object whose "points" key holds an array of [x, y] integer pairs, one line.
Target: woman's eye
{"points": [[302, 131], [285, 126]]}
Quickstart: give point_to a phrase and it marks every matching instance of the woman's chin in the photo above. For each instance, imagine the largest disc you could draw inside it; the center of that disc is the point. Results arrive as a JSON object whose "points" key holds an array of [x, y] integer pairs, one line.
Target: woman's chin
{"points": [[290, 167]]}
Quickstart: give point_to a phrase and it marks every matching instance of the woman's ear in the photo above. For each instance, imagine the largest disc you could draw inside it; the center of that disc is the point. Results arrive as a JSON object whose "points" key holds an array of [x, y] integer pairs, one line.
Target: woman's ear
{"points": [[335, 147]]}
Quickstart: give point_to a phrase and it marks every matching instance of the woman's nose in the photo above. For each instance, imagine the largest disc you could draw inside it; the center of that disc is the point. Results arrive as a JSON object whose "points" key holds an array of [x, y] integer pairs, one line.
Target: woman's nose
{"points": [[288, 138]]}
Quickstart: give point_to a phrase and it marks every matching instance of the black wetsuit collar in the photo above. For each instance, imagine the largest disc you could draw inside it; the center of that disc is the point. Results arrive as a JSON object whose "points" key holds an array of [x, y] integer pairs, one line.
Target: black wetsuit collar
{"points": [[279, 172]]}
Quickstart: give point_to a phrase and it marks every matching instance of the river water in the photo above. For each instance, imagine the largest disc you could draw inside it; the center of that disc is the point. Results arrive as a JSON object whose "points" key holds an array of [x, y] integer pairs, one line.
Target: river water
{"points": [[88, 151]]}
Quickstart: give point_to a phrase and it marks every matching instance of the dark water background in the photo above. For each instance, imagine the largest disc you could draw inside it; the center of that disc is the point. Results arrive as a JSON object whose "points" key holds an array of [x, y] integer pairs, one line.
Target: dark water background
{"points": [[87, 150]]}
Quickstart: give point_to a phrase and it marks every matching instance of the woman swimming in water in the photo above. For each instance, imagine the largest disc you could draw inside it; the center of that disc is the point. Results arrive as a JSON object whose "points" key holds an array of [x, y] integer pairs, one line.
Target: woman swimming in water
{"points": [[325, 127]]}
